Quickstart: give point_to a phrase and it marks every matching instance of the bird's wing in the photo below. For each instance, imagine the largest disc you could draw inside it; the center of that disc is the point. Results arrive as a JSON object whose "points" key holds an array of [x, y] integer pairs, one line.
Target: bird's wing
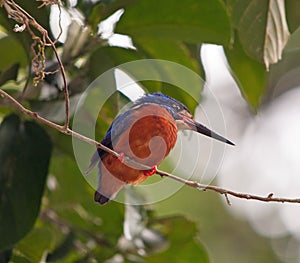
{"points": [[115, 130], [99, 153], [93, 162]]}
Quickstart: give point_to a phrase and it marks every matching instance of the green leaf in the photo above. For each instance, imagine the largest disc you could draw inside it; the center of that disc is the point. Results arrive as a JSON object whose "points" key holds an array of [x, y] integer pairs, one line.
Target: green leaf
{"points": [[189, 85], [284, 75], [183, 245], [175, 51], [262, 28], [191, 21], [171, 50], [292, 13], [35, 246], [17, 56], [95, 12], [294, 42], [106, 58], [11, 73], [249, 74], [24, 156], [5, 255]]}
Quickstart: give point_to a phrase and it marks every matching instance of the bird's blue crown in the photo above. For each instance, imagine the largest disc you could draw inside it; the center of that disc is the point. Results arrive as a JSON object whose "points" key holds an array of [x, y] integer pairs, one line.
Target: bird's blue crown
{"points": [[172, 105]]}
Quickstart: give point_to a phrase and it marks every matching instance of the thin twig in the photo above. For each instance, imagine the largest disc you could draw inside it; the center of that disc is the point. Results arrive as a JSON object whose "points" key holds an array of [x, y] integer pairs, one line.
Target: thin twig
{"points": [[269, 198]]}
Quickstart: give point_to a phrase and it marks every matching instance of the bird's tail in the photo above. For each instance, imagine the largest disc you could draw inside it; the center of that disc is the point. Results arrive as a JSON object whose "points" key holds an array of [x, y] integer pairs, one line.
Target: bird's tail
{"points": [[109, 186], [100, 198]]}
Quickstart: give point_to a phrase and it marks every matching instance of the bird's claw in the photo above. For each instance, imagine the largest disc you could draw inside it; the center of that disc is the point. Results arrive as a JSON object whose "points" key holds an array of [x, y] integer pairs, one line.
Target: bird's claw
{"points": [[146, 172], [151, 171], [121, 157]]}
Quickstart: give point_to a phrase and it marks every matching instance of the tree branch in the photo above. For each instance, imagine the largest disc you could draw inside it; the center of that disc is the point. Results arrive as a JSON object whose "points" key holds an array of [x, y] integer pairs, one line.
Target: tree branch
{"points": [[269, 198], [56, 126], [21, 16]]}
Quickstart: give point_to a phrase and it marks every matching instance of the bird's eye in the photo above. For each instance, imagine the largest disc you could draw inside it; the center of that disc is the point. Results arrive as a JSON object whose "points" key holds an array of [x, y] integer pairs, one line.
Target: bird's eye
{"points": [[176, 107]]}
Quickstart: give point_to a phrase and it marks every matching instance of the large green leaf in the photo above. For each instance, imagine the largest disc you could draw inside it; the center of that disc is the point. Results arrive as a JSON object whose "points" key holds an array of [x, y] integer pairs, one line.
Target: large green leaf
{"points": [[35, 246], [175, 51], [292, 13], [191, 21], [172, 50], [284, 75], [262, 28], [24, 157], [183, 245], [5, 255], [70, 217], [10, 62], [96, 11], [17, 56], [249, 74], [189, 83], [106, 58]]}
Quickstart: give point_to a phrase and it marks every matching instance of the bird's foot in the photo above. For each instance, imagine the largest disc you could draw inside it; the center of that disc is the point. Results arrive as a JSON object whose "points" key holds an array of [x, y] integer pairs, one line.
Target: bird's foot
{"points": [[121, 157], [151, 171]]}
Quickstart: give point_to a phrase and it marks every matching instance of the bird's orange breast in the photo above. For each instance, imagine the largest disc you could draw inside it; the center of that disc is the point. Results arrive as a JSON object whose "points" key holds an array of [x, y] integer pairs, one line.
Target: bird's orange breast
{"points": [[147, 139]]}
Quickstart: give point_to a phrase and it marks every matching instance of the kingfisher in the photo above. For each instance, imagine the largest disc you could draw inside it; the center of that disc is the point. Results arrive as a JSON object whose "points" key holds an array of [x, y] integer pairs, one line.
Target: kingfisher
{"points": [[146, 133]]}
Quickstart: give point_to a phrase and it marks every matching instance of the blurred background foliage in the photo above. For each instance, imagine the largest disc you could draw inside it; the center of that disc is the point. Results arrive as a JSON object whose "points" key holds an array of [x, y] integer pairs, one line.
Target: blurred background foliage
{"points": [[53, 218]]}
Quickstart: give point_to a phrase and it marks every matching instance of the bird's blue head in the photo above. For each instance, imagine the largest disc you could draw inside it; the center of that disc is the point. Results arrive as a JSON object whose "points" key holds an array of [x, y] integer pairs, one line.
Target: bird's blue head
{"points": [[174, 107]]}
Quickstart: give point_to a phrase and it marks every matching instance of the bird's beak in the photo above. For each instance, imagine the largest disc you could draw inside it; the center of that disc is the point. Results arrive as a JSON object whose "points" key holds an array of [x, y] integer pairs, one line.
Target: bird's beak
{"points": [[188, 123], [204, 130]]}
